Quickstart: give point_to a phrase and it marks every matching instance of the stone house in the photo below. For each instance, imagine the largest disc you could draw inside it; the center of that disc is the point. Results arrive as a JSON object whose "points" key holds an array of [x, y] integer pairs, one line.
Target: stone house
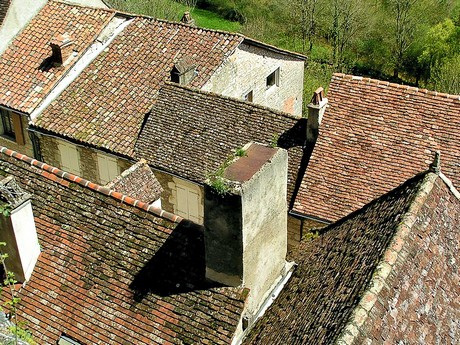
{"points": [[86, 110], [373, 136], [104, 75], [109, 269], [384, 274]]}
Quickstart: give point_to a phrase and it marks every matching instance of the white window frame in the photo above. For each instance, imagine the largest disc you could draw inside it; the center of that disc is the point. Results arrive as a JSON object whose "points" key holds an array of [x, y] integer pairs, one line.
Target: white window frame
{"points": [[107, 167], [273, 79], [69, 157]]}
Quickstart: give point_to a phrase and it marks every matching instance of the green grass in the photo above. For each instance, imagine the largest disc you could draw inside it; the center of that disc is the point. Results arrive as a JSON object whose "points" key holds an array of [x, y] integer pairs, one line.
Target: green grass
{"points": [[211, 20]]}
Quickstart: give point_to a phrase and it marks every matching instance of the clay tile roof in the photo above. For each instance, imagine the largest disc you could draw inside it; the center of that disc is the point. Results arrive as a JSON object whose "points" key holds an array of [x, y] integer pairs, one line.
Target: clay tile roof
{"points": [[25, 76], [377, 266], [375, 135], [4, 5], [139, 182], [106, 105], [191, 132], [112, 271]]}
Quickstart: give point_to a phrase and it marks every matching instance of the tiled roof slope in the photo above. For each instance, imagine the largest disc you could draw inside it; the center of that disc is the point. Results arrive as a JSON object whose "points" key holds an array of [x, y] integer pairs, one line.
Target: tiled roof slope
{"points": [[191, 132], [111, 273], [23, 85], [106, 105], [419, 302], [139, 182], [375, 135], [335, 269], [4, 5]]}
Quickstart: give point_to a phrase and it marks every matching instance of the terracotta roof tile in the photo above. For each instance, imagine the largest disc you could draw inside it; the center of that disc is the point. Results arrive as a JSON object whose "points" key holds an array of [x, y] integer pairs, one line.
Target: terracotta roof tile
{"points": [[139, 182], [191, 132], [111, 273], [335, 269], [23, 84], [106, 105], [374, 135]]}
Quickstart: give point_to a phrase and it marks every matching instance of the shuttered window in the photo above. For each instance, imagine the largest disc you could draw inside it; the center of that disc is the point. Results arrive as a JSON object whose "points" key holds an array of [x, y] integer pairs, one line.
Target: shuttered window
{"points": [[188, 202], [108, 168], [70, 159], [12, 126]]}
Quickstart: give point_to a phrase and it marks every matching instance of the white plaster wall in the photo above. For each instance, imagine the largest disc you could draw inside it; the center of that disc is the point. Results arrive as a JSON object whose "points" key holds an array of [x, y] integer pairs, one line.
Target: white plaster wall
{"points": [[265, 229], [22, 220], [247, 69], [18, 15]]}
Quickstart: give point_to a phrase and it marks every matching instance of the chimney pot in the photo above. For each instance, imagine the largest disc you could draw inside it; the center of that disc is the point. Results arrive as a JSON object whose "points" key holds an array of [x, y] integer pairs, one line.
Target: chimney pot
{"points": [[187, 19]]}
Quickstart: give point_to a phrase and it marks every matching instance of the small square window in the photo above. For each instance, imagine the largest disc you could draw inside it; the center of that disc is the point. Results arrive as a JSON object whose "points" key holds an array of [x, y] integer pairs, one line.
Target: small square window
{"points": [[249, 96], [273, 78]]}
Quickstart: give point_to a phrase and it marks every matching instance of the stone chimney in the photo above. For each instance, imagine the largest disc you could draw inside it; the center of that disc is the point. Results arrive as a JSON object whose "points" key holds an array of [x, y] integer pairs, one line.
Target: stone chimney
{"points": [[62, 47], [316, 110], [246, 224], [184, 71], [17, 230], [187, 19]]}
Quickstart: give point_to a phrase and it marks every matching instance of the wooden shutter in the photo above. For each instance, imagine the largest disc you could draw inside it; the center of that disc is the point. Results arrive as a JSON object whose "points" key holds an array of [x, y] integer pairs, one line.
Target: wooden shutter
{"points": [[17, 125]]}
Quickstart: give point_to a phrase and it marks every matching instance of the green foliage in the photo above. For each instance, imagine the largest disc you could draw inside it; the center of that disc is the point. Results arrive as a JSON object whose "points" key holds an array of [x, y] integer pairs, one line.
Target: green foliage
{"points": [[18, 328], [5, 209], [446, 75], [240, 152], [274, 141]]}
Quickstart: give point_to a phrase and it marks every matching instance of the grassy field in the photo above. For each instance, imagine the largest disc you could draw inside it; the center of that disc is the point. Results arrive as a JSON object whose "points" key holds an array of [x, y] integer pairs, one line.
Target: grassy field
{"points": [[211, 20]]}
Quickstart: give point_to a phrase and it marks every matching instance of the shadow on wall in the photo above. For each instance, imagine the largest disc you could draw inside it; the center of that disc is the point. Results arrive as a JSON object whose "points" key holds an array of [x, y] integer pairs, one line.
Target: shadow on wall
{"points": [[177, 267]]}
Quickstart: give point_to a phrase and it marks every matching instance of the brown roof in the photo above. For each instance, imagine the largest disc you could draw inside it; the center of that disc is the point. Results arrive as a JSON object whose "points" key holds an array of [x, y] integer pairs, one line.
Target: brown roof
{"points": [[107, 103], [190, 133], [112, 271], [375, 135], [139, 182], [25, 78], [365, 261]]}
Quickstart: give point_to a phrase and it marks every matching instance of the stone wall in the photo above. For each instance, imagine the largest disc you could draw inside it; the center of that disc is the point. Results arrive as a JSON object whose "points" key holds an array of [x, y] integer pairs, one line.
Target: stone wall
{"points": [[27, 148], [247, 70]]}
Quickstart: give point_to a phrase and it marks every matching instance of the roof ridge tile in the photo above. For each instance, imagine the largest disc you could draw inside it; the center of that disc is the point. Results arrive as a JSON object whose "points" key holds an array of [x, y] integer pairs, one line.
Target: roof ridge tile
{"points": [[379, 82], [64, 177]]}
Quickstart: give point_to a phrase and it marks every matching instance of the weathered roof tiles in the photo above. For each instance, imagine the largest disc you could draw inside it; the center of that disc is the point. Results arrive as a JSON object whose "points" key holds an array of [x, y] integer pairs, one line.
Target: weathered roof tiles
{"points": [[112, 273], [374, 135], [25, 78]]}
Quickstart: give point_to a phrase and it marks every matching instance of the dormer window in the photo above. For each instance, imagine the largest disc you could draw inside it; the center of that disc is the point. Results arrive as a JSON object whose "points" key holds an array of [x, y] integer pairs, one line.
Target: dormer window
{"points": [[183, 71], [273, 78]]}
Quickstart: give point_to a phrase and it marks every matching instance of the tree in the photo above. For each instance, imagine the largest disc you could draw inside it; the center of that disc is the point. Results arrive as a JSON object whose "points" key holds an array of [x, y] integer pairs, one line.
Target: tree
{"points": [[446, 75]]}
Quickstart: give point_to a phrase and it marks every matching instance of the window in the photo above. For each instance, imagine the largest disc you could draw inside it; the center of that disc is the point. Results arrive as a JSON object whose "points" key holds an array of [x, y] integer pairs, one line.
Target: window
{"points": [[63, 340], [249, 96], [11, 126], [108, 168], [70, 159], [274, 78], [188, 203]]}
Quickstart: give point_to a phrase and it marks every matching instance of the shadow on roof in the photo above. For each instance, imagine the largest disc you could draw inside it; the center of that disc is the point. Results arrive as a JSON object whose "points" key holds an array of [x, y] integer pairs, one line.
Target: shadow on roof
{"points": [[177, 267], [294, 136]]}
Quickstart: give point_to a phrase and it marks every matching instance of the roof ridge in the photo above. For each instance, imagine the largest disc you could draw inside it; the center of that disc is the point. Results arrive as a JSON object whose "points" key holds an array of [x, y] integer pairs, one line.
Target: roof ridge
{"points": [[229, 98], [387, 262], [74, 4], [369, 80], [54, 174]]}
